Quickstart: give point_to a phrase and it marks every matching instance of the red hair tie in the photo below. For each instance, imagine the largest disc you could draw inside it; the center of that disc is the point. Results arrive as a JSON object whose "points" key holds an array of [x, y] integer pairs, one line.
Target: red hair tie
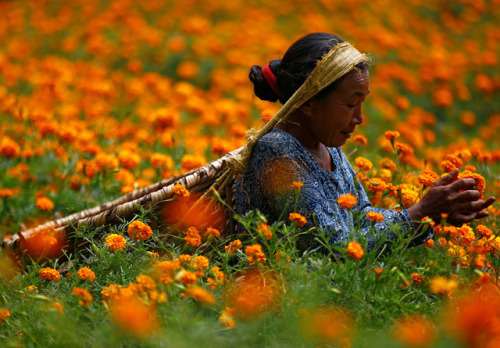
{"points": [[270, 78]]}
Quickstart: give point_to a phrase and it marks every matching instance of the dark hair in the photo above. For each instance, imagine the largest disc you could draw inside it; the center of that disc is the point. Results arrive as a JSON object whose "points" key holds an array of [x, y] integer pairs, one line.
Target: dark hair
{"points": [[296, 65]]}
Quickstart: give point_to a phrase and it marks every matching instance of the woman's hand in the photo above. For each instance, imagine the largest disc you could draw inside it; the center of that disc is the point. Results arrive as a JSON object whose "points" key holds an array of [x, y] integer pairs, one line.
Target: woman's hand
{"points": [[458, 199]]}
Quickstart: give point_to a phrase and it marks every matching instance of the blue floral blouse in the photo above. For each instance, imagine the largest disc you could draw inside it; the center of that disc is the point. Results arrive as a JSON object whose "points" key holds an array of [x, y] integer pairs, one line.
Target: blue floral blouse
{"points": [[278, 159]]}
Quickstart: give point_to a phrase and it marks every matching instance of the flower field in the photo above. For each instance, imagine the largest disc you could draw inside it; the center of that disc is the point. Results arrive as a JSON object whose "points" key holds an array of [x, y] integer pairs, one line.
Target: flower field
{"points": [[101, 98]]}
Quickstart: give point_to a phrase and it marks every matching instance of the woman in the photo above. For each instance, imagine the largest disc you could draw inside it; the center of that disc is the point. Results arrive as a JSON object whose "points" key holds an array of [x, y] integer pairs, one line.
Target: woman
{"points": [[306, 148]]}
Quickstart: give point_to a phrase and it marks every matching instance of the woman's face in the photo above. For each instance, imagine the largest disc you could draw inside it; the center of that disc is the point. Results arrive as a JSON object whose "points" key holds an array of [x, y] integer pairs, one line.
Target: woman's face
{"points": [[334, 118]]}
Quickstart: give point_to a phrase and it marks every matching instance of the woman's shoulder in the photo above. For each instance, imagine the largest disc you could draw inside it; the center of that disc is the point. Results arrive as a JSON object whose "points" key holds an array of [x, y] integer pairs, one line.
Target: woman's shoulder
{"points": [[277, 141]]}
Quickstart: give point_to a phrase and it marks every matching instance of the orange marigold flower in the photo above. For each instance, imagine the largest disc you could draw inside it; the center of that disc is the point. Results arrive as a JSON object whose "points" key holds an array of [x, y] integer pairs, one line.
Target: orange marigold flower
{"points": [[355, 251], [297, 185], [409, 196], [84, 297], [376, 185], [447, 166], [361, 139], [484, 231], [212, 232], [298, 219], [200, 263], [363, 163], [387, 163], [442, 286], [391, 135], [429, 243], [347, 201], [480, 181], [264, 230], [139, 230], [105, 162], [49, 273], [193, 237], [44, 203], [189, 162], [159, 160], [132, 316], [226, 318], [9, 148], [255, 254], [181, 191], [428, 178], [331, 325], [417, 278], [233, 246], [58, 307], [186, 277], [115, 242], [4, 314], [404, 149], [378, 271], [414, 331], [86, 273], [200, 294], [464, 234], [374, 216]]}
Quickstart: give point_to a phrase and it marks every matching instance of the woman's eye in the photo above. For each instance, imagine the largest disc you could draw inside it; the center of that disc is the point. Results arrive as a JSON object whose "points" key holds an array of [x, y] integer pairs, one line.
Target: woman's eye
{"points": [[351, 106]]}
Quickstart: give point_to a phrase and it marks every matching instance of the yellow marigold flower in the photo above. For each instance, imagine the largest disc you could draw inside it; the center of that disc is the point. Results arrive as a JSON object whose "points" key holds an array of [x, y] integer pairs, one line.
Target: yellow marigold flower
{"points": [[226, 318], [233, 246], [185, 259], [297, 219], [181, 191], [49, 273], [409, 196], [86, 273], [363, 163], [355, 251], [464, 234], [414, 331], [9, 148], [44, 203], [4, 314], [115, 242], [442, 286], [428, 178], [264, 230], [146, 283], [391, 135], [193, 237], [134, 317], [255, 254], [139, 230], [347, 201], [58, 307], [374, 216], [200, 263], [200, 294], [84, 297], [128, 159]]}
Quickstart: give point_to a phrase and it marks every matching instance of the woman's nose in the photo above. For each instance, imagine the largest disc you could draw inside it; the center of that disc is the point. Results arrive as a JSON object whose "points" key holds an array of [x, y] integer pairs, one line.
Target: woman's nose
{"points": [[358, 116]]}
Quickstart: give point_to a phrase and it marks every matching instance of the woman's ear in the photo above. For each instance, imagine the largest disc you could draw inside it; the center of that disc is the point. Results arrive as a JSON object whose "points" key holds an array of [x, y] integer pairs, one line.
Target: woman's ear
{"points": [[306, 108]]}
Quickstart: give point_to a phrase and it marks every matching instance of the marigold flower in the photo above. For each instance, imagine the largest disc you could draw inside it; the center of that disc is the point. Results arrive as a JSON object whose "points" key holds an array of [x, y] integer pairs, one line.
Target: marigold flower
{"points": [[391, 135], [84, 297], [58, 307], [49, 273], [212, 232], [44, 203], [193, 237], [297, 185], [442, 286], [128, 159], [200, 294], [347, 201], [189, 162], [355, 251], [298, 219], [186, 277], [139, 230], [414, 331], [429, 243], [86, 273], [363, 163], [409, 196], [264, 230], [331, 325], [378, 271], [181, 191], [105, 162], [233, 246], [4, 314], [200, 263], [480, 181], [417, 278], [159, 160], [132, 316], [226, 318], [428, 178], [255, 254], [9, 148], [361, 139], [115, 242], [374, 216], [484, 231], [464, 234]]}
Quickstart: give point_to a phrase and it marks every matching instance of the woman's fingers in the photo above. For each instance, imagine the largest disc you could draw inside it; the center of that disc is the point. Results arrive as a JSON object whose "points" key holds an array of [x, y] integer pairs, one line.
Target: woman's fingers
{"points": [[468, 195], [463, 184], [448, 179]]}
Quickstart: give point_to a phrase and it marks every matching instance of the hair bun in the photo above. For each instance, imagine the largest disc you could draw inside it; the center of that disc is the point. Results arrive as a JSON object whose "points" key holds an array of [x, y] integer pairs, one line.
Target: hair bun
{"points": [[261, 88]]}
